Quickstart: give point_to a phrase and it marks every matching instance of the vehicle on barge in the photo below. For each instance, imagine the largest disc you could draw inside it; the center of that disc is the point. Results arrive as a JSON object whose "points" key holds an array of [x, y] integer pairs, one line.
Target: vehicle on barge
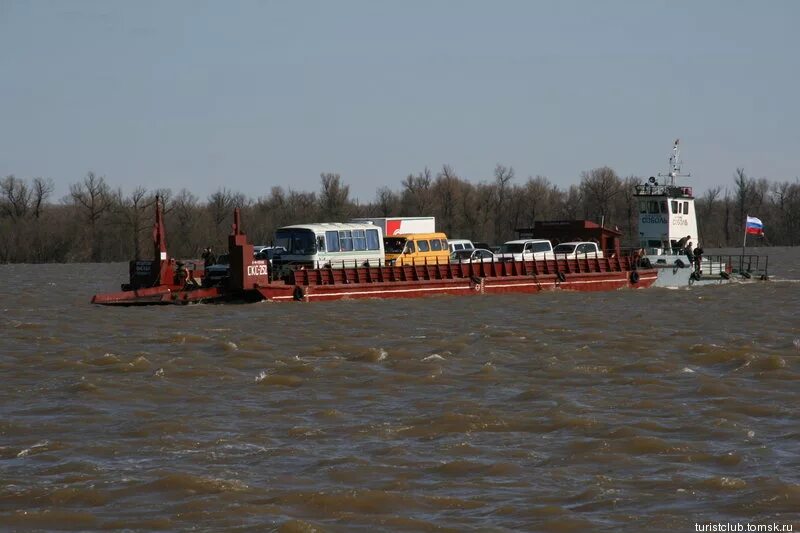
{"points": [[669, 239], [162, 281]]}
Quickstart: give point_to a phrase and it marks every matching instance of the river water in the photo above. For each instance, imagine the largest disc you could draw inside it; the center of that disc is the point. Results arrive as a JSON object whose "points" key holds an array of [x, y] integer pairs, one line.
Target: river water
{"points": [[640, 410]]}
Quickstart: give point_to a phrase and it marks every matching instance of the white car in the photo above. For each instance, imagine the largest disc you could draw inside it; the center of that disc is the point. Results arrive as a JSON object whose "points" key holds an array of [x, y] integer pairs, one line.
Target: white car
{"points": [[478, 255], [526, 250], [460, 244], [578, 250]]}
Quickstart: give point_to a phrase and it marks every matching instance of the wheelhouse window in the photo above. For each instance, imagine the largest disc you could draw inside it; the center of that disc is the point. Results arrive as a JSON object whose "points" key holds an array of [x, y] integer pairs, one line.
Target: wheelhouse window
{"points": [[296, 241], [643, 207], [423, 246], [436, 245], [686, 208], [652, 208], [664, 206], [674, 204]]}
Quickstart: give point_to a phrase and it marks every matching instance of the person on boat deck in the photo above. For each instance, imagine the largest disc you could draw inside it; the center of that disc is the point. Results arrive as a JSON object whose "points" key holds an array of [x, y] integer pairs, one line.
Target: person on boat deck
{"points": [[681, 244], [208, 257], [698, 258], [688, 252]]}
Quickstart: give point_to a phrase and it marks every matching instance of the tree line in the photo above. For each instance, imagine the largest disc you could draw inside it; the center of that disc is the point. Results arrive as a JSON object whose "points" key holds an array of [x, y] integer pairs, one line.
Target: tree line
{"points": [[97, 223]]}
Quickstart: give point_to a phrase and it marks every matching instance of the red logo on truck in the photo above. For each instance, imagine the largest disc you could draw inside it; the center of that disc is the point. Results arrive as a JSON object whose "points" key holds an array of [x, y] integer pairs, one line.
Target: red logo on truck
{"points": [[393, 227]]}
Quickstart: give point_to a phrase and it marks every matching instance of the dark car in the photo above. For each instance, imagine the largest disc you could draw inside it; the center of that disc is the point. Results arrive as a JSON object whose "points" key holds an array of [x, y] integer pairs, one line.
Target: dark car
{"points": [[269, 252], [218, 272]]}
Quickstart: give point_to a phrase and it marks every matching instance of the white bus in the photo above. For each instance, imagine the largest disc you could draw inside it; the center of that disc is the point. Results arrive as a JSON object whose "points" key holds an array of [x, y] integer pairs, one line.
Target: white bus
{"points": [[334, 245]]}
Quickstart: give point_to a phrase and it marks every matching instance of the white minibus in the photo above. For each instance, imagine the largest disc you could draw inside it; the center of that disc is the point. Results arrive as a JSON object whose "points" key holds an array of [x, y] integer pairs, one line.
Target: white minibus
{"points": [[330, 244]]}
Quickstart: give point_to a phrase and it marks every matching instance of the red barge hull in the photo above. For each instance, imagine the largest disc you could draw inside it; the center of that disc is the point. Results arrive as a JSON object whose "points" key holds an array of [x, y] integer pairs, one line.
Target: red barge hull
{"points": [[165, 281]]}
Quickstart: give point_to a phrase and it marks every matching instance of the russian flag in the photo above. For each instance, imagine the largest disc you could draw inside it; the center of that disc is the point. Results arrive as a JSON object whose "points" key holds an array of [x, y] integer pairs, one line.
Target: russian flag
{"points": [[754, 226]]}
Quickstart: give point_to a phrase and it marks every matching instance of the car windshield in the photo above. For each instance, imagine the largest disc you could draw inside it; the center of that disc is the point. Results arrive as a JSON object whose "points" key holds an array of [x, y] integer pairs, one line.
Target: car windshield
{"points": [[296, 241], [223, 259], [394, 245], [564, 249], [512, 248]]}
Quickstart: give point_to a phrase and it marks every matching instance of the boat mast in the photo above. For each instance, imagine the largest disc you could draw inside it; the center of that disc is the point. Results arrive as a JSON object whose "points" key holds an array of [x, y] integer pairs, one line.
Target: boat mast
{"points": [[675, 165]]}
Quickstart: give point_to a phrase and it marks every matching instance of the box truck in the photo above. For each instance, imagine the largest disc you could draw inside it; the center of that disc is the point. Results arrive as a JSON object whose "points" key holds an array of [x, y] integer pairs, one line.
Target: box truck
{"points": [[401, 225]]}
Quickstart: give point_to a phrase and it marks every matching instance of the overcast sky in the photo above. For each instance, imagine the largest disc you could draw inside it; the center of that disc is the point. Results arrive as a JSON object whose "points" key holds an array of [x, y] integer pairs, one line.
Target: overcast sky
{"points": [[252, 94]]}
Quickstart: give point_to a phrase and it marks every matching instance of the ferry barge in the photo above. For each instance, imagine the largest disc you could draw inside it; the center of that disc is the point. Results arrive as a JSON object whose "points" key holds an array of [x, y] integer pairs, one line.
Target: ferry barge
{"points": [[167, 281]]}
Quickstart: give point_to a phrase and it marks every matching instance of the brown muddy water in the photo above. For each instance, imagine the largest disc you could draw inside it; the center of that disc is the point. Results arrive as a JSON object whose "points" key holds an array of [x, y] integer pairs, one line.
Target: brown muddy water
{"points": [[645, 410]]}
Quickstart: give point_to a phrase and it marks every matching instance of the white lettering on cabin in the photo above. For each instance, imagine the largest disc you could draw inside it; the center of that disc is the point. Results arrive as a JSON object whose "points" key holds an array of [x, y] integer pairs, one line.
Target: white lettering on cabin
{"points": [[256, 270]]}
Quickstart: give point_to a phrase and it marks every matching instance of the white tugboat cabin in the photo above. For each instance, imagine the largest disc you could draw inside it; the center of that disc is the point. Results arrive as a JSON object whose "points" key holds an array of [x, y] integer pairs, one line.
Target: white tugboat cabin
{"points": [[667, 215]]}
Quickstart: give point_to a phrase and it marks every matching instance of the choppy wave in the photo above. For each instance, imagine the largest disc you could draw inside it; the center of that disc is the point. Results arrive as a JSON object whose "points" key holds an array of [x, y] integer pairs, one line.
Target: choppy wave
{"points": [[630, 410]]}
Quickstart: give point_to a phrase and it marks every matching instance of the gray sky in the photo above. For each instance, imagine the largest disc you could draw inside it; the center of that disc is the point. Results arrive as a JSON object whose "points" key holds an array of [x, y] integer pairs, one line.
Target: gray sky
{"points": [[248, 94]]}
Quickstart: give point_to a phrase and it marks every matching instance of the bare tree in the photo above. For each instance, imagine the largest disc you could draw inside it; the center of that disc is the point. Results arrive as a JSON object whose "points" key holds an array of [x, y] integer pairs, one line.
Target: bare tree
{"points": [[387, 201], [502, 177], [599, 187], [221, 205], [95, 199], [334, 197], [573, 203], [628, 205], [444, 190], [705, 211], [743, 192], [42, 189], [132, 209], [16, 197], [416, 193]]}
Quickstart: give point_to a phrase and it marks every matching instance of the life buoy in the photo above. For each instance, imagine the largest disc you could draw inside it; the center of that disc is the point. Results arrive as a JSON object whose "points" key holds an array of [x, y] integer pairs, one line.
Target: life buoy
{"points": [[680, 264], [634, 277], [298, 295], [561, 276], [477, 283], [724, 275]]}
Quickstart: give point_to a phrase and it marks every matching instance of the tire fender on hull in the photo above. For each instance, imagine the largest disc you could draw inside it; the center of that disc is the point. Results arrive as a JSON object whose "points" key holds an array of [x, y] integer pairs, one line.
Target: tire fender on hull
{"points": [[299, 294]]}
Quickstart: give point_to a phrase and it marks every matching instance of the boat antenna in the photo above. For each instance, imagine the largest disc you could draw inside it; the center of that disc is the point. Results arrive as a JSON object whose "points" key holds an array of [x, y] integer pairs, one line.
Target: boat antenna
{"points": [[675, 165]]}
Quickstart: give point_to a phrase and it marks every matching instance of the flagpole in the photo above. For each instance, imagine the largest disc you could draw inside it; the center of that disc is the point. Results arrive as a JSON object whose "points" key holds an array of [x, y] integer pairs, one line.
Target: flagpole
{"points": [[744, 243]]}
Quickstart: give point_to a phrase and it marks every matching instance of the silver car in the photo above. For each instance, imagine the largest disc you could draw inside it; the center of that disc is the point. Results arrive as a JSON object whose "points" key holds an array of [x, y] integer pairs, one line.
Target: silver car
{"points": [[479, 255]]}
